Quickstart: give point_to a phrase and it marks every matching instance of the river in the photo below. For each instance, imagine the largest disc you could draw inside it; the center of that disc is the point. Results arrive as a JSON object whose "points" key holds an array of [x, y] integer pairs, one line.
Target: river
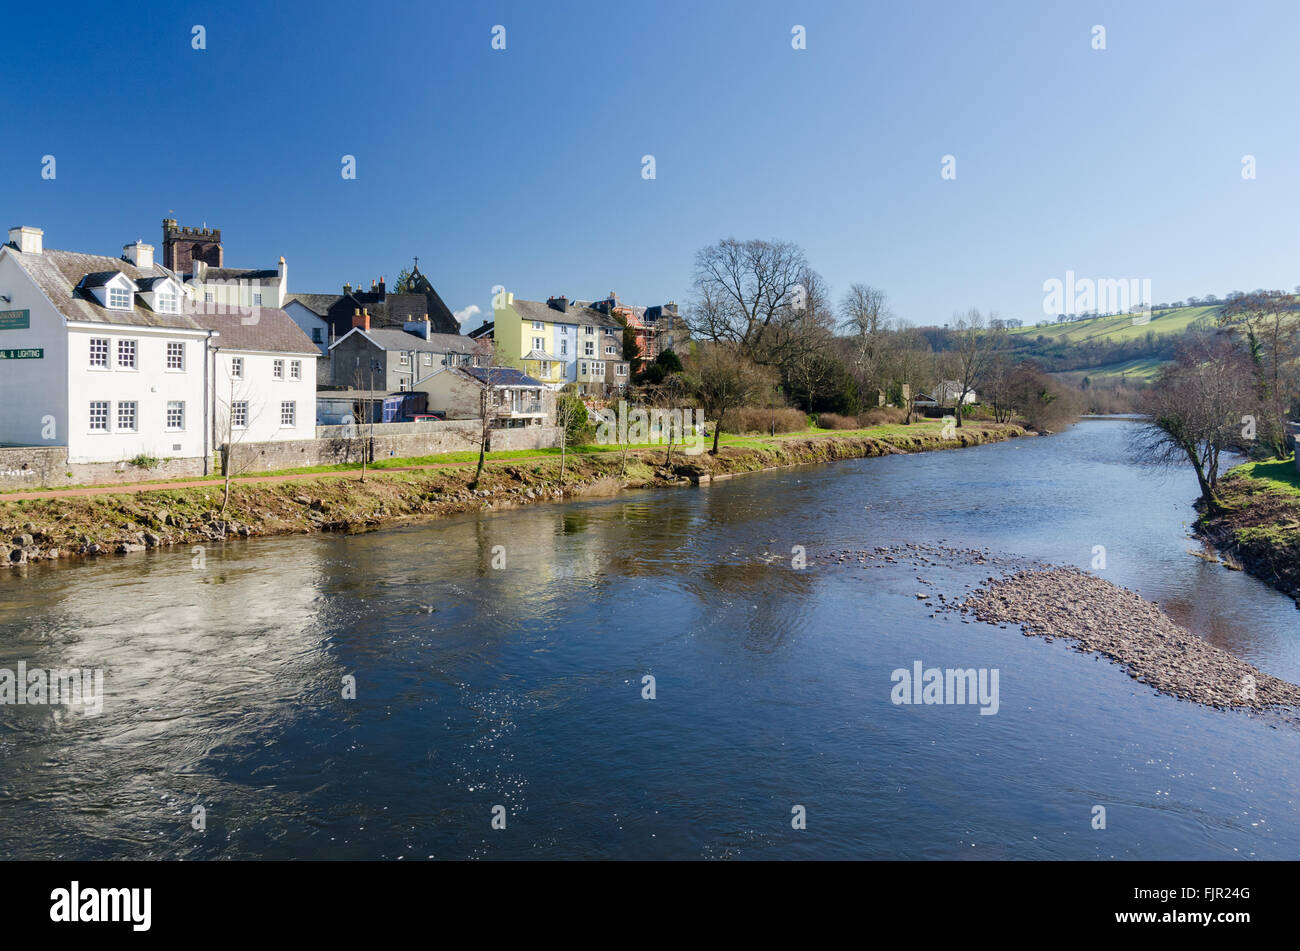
{"points": [[521, 686]]}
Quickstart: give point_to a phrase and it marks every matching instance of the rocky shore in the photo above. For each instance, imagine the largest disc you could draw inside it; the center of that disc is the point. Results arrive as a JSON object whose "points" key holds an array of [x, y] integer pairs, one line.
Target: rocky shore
{"points": [[1100, 617]]}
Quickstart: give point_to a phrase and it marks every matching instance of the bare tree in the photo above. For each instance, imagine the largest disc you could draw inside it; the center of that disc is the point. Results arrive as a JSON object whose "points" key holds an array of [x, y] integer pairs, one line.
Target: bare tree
{"points": [[865, 317], [1196, 408], [974, 343], [722, 378], [1269, 324], [752, 294]]}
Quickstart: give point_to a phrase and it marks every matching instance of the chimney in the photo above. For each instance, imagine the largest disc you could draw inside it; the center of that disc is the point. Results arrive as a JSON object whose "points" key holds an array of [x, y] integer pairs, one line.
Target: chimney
{"points": [[139, 254], [361, 318], [284, 281], [27, 240], [347, 290], [421, 328], [560, 303], [382, 290]]}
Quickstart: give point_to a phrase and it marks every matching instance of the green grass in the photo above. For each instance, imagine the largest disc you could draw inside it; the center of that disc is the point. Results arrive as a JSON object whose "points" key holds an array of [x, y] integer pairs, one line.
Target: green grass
{"points": [[1278, 474], [1118, 328], [1144, 370]]}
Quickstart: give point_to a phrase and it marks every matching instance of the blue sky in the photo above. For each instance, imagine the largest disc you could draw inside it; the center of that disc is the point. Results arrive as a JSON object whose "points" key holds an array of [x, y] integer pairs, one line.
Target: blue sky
{"points": [[522, 167]]}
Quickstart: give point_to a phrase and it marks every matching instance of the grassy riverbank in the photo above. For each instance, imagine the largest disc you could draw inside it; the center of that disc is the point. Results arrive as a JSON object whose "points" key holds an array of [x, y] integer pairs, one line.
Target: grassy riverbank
{"points": [[1260, 522], [95, 524]]}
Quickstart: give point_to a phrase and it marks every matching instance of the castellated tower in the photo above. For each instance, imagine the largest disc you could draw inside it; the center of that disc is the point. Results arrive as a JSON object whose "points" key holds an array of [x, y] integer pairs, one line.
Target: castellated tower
{"points": [[184, 246]]}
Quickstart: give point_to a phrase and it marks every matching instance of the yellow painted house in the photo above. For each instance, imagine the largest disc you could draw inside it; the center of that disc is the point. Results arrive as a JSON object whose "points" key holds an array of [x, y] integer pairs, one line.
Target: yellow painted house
{"points": [[558, 341]]}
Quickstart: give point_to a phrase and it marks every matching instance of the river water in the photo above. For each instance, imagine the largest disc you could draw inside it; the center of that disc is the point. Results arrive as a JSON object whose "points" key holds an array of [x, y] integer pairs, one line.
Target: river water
{"points": [[522, 687]]}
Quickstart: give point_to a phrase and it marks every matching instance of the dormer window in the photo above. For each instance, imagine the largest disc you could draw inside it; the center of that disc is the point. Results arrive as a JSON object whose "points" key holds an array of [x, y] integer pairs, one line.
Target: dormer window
{"points": [[119, 298], [168, 303]]}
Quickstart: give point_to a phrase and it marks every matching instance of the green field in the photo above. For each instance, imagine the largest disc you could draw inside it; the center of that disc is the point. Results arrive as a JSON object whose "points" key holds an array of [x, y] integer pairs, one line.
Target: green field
{"points": [[1117, 328], [1130, 371]]}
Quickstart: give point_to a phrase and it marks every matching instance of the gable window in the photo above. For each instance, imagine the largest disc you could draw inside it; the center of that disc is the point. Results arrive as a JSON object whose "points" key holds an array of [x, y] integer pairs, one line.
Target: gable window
{"points": [[168, 303], [176, 356], [288, 413], [99, 416], [538, 325], [236, 368], [99, 352], [295, 369], [239, 414], [119, 299], [126, 416], [277, 370], [176, 414], [126, 354]]}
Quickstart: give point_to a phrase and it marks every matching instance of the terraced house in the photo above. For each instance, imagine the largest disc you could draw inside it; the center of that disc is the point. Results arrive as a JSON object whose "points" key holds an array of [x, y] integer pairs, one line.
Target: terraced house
{"points": [[112, 359], [560, 342]]}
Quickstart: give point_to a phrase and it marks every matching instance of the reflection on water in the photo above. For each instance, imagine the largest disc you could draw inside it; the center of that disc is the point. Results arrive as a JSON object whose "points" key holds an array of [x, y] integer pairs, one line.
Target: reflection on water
{"points": [[521, 686]]}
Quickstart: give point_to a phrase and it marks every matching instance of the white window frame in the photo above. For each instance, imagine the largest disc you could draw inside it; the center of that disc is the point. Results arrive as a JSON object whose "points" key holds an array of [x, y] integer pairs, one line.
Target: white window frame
{"points": [[98, 360], [134, 408], [236, 368], [239, 414], [168, 303], [538, 344], [295, 369], [257, 300], [175, 406], [128, 345], [277, 369], [178, 354], [116, 302], [289, 408], [99, 409]]}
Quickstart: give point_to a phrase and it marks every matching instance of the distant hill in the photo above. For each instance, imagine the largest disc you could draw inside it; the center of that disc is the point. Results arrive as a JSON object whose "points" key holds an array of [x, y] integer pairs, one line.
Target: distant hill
{"points": [[1110, 349]]}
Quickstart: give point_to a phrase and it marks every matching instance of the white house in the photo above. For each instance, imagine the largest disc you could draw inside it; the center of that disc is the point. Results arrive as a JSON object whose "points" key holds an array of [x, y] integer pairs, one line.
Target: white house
{"points": [[110, 358]]}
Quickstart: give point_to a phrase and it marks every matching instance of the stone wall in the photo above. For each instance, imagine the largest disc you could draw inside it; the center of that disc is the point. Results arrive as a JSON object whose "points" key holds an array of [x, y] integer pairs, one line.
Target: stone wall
{"points": [[338, 444], [46, 467]]}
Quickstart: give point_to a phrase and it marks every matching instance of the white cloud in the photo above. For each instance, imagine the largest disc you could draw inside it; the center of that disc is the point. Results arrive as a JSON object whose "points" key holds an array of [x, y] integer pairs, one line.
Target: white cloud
{"points": [[466, 313]]}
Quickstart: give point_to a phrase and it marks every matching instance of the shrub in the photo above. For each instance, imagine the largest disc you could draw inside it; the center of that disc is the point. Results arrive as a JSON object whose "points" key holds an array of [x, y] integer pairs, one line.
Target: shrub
{"points": [[882, 416], [836, 421], [759, 419]]}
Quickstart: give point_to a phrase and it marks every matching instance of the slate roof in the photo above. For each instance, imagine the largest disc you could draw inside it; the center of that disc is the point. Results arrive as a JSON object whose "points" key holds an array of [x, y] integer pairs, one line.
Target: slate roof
{"points": [[59, 273], [64, 276], [268, 329], [237, 274], [318, 304], [390, 339], [537, 310], [501, 376]]}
